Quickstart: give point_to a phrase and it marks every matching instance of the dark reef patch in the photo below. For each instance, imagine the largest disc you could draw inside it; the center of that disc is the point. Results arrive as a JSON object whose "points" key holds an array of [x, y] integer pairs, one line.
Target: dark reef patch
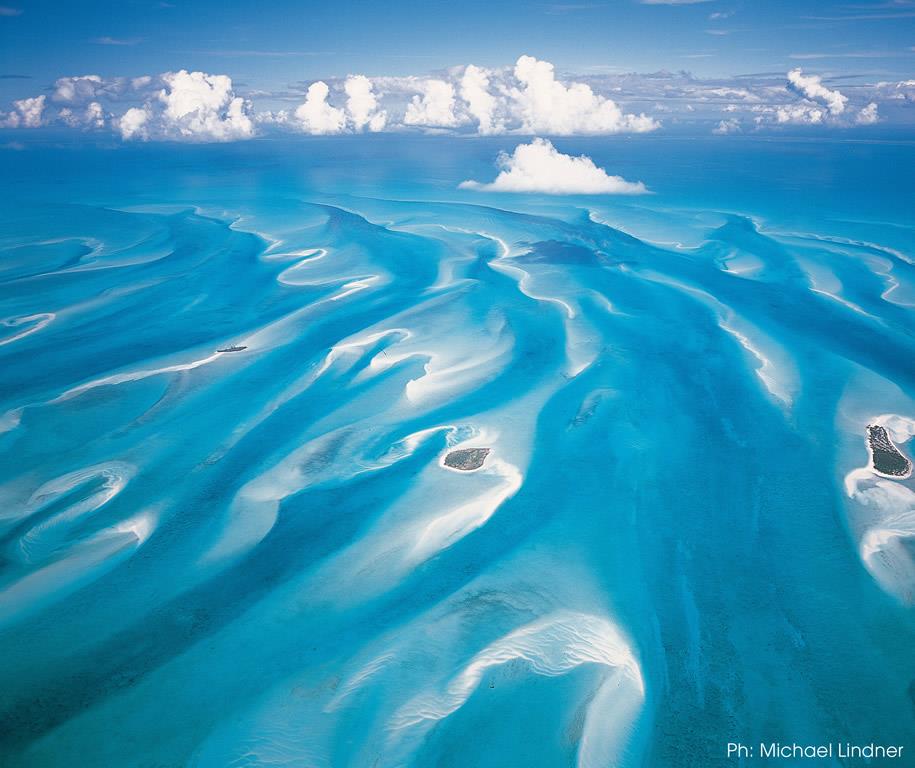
{"points": [[557, 252], [467, 459], [886, 456]]}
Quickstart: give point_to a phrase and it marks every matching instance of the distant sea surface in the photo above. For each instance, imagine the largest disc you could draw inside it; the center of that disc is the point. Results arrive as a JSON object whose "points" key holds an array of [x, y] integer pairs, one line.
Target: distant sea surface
{"points": [[230, 377]]}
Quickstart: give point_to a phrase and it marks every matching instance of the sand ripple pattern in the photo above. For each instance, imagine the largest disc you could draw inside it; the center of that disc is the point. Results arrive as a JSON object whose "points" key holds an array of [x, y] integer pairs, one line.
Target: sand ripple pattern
{"points": [[224, 487]]}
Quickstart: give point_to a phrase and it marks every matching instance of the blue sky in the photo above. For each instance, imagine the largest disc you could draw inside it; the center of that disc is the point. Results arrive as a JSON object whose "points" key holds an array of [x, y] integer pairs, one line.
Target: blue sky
{"points": [[272, 43], [280, 47]]}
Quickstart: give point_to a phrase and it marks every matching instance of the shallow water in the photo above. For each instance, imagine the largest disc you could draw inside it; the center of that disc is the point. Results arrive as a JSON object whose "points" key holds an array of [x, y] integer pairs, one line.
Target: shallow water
{"points": [[259, 557]]}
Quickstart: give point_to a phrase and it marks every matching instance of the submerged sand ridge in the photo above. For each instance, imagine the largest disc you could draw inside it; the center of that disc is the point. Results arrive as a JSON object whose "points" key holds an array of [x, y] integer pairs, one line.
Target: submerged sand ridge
{"points": [[560, 596]]}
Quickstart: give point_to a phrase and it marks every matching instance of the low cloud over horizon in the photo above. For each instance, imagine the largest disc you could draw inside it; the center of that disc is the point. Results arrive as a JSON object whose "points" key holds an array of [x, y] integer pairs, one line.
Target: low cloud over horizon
{"points": [[527, 98], [538, 167]]}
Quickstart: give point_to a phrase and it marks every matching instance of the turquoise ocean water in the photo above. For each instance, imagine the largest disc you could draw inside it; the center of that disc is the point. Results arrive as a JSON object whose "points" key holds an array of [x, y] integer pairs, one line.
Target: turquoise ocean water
{"points": [[258, 557]]}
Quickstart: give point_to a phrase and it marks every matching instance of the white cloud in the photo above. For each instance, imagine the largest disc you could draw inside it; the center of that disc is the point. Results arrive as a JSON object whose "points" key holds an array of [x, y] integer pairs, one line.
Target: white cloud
{"points": [[799, 114], [804, 100], [545, 105], [904, 90], [362, 104], [133, 124], [188, 94], [480, 102], [316, 115], [269, 117], [540, 167], [92, 117], [83, 89], [731, 125], [95, 115], [182, 105], [27, 113], [31, 110], [118, 41], [868, 115], [811, 87], [203, 107], [69, 118], [80, 88], [435, 106], [526, 98], [726, 92]]}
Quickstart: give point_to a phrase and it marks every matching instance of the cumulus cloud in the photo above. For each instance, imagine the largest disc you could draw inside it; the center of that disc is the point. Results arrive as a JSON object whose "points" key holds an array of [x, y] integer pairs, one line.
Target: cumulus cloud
{"points": [[27, 113], [69, 118], [316, 115], [204, 107], [724, 127], [434, 107], [904, 90], [799, 114], [811, 87], [362, 104], [545, 105], [868, 115], [540, 167], [525, 98], [83, 89], [80, 88], [182, 105], [133, 124], [806, 101], [31, 110], [92, 117], [481, 104]]}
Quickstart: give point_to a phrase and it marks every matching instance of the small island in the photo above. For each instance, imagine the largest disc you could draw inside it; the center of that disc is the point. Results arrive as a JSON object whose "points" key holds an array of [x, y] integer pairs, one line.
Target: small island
{"points": [[466, 459], [885, 456]]}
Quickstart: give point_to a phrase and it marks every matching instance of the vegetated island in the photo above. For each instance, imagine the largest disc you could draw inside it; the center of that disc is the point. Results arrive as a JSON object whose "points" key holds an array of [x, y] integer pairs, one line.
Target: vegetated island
{"points": [[885, 456], [466, 459]]}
